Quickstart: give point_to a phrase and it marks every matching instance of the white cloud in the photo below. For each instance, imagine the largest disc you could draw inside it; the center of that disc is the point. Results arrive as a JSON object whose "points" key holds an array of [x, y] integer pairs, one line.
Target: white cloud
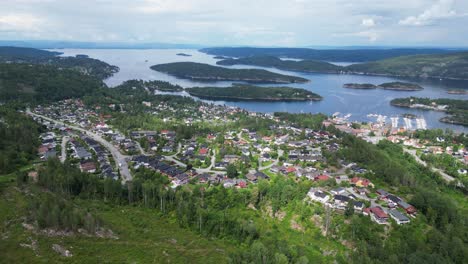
{"points": [[443, 9], [19, 22], [368, 22]]}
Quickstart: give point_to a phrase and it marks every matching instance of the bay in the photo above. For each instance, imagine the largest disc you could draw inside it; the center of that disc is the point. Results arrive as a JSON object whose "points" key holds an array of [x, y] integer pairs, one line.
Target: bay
{"points": [[135, 63]]}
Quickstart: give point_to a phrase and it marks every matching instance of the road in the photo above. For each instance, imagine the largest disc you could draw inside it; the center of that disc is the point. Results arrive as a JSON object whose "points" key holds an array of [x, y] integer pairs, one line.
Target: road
{"points": [[120, 159], [444, 175], [63, 157], [260, 168]]}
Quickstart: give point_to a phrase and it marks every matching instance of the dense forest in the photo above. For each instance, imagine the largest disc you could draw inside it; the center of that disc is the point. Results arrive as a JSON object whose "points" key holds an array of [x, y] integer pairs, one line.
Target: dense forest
{"points": [[242, 92], [40, 83], [19, 139], [153, 85], [206, 72], [83, 64], [351, 55], [457, 110]]}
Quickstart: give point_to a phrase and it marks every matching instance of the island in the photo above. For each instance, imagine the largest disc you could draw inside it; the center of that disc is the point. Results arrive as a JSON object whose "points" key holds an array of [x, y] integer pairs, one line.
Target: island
{"points": [[206, 72], [359, 86], [154, 85], [287, 65], [221, 58], [397, 86], [244, 92], [184, 55], [457, 91], [456, 110], [401, 86]]}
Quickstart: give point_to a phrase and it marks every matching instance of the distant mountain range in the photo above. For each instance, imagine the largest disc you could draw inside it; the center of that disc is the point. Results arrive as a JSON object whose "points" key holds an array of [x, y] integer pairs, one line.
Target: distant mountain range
{"points": [[52, 44]]}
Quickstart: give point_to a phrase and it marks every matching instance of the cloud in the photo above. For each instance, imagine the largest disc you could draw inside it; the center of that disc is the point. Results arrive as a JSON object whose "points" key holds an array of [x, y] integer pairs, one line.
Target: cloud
{"points": [[368, 22], [443, 9], [19, 22]]}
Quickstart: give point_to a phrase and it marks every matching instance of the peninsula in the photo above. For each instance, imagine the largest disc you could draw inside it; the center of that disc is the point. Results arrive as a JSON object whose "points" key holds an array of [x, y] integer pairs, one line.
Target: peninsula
{"points": [[397, 86], [243, 92], [206, 72]]}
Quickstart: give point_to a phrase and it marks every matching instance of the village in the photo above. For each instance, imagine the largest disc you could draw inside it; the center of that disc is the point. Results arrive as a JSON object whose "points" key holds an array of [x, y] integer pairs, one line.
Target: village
{"points": [[236, 158]]}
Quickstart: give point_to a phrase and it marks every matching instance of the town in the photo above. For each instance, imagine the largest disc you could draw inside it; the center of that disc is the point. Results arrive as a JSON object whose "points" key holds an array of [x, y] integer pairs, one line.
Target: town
{"points": [[235, 158]]}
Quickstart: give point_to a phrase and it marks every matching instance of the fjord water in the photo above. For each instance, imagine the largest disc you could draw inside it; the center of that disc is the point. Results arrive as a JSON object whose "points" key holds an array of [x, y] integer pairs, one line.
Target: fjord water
{"points": [[134, 64]]}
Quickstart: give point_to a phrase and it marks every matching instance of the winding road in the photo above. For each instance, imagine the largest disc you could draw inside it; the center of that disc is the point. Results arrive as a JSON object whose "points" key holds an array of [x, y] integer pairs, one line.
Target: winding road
{"points": [[119, 158], [444, 175]]}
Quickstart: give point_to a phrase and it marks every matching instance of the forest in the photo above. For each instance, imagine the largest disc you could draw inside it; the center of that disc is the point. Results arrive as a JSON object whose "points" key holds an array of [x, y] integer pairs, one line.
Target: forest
{"points": [[242, 92], [206, 72], [83, 64]]}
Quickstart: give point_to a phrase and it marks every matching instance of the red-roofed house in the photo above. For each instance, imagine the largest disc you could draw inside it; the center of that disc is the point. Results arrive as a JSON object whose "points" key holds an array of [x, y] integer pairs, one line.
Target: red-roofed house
{"points": [[321, 177], [88, 167], [203, 151], [361, 182], [378, 215], [290, 169]]}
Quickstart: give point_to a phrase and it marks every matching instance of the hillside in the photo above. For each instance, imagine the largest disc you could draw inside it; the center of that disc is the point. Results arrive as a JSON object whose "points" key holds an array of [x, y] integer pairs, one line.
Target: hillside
{"points": [[446, 66], [40, 83], [206, 72], [253, 93], [79, 63], [348, 55], [457, 110], [289, 65]]}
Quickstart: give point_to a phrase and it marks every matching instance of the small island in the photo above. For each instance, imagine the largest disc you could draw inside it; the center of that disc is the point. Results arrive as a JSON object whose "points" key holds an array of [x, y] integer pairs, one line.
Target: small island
{"points": [[152, 86], [457, 110], [221, 58], [359, 86], [244, 92], [206, 72], [457, 91], [396, 86], [184, 55]]}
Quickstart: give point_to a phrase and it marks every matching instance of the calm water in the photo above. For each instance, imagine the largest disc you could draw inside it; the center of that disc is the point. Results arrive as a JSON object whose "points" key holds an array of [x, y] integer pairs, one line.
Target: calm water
{"points": [[134, 64]]}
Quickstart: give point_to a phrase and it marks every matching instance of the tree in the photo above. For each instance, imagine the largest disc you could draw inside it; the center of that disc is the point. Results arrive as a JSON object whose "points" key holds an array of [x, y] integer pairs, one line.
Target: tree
{"points": [[231, 171], [349, 211]]}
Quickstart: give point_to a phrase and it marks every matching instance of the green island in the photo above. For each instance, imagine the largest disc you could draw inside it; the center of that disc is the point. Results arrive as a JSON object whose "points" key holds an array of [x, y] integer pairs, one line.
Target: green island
{"points": [[397, 86], [457, 110], [440, 66], [206, 72], [81, 63], [290, 65], [153, 85], [242, 92], [55, 210]]}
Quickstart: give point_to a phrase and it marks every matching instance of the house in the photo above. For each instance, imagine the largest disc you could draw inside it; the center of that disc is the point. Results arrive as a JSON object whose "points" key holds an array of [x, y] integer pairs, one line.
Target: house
{"points": [[203, 152], [341, 179], [407, 207], [338, 190], [359, 206], [361, 191], [341, 201], [361, 182], [318, 195], [399, 217], [254, 177], [383, 194], [321, 177], [88, 167], [378, 215], [49, 154]]}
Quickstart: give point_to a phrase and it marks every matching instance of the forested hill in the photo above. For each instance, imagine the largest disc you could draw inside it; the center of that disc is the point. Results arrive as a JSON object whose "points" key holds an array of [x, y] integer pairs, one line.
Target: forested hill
{"points": [[270, 61], [446, 66], [43, 83], [349, 55], [206, 72], [82, 64]]}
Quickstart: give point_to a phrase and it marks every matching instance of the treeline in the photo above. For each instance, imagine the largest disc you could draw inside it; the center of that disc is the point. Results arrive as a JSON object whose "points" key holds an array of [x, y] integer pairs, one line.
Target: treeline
{"points": [[19, 139], [41, 84], [214, 211], [80, 63]]}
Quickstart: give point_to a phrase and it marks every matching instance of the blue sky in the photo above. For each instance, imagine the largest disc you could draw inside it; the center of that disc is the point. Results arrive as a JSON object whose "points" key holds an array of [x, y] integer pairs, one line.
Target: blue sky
{"points": [[240, 22]]}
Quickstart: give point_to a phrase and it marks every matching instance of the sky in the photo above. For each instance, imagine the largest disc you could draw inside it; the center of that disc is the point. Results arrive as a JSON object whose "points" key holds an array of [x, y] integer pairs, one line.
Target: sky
{"points": [[293, 23]]}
